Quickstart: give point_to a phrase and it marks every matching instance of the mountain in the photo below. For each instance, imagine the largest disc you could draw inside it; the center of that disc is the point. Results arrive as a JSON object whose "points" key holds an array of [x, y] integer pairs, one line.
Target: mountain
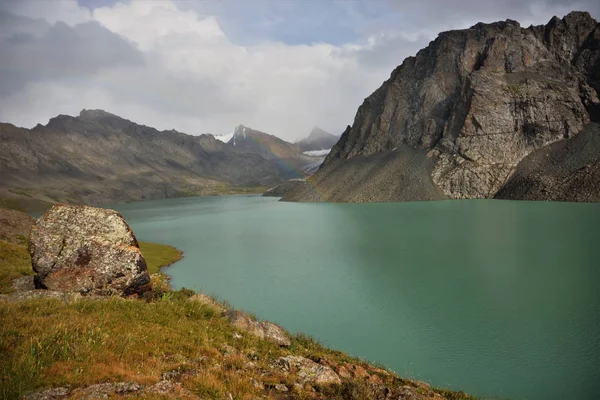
{"points": [[476, 105], [318, 140], [98, 157], [287, 156]]}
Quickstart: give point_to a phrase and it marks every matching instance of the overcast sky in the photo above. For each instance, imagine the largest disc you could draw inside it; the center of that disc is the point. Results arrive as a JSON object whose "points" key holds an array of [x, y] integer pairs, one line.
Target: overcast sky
{"points": [[278, 66]]}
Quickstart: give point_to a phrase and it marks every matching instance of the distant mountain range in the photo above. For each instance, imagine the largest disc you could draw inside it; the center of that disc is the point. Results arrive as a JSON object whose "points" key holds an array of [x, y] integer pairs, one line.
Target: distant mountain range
{"points": [[98, 157]]}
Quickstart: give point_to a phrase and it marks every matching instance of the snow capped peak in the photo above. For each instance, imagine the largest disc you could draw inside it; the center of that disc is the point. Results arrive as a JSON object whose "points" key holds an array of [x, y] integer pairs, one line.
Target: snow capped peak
{"points": [[239, 133], [224, 138], [240, 130]]}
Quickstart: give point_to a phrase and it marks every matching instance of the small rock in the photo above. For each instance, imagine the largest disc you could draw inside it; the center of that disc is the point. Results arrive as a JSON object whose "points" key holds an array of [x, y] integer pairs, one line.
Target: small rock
{"points": [[344, 373], [264, 330], [280, 387], [308, 370], [375, 379], [50, 394], [357, 371], [257, 384], [23, 284], [105, 390], [178, 373], [44, 294], [275, 334], [237, 335]]}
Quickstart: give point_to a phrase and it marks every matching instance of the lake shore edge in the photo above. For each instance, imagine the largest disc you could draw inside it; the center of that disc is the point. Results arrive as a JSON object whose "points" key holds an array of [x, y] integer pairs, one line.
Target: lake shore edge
{"points": [[95, 329]]}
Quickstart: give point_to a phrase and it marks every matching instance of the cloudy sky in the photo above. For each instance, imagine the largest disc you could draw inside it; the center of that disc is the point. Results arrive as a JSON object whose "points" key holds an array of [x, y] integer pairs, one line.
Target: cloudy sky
{"points": [[279, 66]]}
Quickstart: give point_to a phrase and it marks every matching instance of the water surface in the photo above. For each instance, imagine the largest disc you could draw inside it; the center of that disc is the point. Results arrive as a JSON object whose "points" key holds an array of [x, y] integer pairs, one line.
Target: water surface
{"points": [[496, 298]]}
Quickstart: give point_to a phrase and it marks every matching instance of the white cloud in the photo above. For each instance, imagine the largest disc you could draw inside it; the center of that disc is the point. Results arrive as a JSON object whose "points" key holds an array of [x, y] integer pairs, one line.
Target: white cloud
{"points": [[67, 11], [177, 68]]}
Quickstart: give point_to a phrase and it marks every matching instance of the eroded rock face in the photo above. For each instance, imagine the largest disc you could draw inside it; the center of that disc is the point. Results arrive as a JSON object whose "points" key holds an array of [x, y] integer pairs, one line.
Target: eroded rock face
{"points": [[478, 101], [87, 250]]}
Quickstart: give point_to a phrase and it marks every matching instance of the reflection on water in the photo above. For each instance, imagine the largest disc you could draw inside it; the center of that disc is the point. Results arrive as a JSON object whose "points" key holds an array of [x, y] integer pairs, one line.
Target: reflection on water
{"points": [[492, 297]]}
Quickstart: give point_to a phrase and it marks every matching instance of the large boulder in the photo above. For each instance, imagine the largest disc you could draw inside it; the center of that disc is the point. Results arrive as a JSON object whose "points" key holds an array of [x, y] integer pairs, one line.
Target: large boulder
{"points": [[87, 250]]}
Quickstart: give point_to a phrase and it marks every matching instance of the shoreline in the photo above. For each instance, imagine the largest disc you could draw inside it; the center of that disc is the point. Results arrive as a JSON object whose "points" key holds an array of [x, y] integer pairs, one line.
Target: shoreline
{"points": [[174, 344]]}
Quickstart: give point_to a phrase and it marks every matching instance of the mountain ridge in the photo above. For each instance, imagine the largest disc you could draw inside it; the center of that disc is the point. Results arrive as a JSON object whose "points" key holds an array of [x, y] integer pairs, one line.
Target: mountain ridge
{"points": [[476, 101], [98, 157]]}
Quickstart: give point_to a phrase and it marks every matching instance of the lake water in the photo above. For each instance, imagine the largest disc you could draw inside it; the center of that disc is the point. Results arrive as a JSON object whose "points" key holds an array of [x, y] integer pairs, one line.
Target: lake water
{"points": [[500, 299]]}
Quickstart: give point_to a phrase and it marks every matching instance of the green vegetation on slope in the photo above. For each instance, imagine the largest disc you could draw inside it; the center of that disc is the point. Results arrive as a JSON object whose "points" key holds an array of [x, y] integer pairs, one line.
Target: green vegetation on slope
{"points": [[50, 343], [14, 263], [159, 255]]}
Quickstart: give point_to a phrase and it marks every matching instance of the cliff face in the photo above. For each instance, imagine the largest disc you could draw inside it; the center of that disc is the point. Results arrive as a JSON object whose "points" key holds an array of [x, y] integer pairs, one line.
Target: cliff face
{"points": [[479, 100]]}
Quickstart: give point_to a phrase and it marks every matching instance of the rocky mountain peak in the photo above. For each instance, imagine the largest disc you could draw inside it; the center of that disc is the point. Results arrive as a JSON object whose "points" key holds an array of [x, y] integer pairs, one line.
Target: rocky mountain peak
{"points": [[241, 131], [318, 139], [479, 100], [318, 133], [95, 115]]}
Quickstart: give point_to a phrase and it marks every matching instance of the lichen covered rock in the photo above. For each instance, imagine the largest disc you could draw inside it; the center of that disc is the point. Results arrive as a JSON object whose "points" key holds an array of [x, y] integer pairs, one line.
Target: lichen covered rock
{"points": [[264, 330], [87, 250], [308, 371]]}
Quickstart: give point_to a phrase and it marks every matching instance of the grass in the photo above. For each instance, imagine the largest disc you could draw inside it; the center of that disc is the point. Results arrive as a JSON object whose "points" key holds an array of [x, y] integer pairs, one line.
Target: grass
{"points": [[14, 263], [49, 343], [159, 255]]}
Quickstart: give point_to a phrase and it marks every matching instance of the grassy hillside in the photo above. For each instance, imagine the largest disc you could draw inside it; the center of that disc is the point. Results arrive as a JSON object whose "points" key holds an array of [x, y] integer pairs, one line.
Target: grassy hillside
{"points": [[175, 338]]}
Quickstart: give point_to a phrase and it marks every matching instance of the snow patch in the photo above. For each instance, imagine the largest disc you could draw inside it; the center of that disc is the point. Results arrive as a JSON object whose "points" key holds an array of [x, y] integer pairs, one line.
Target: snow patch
{"points": [[224, 138], [317, 153]]}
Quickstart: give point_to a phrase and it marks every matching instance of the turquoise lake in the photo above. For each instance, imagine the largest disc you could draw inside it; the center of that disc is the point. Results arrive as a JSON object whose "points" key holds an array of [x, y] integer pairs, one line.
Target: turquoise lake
{"points": [[500, 299]]}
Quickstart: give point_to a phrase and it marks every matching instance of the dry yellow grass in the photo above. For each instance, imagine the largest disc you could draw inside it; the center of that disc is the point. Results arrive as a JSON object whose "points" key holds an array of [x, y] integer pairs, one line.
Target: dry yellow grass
{"points": [[159, 255]]}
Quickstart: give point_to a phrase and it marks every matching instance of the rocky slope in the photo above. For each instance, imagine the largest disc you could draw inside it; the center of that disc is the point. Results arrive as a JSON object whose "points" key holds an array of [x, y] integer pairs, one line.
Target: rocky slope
{"points": [[568, 170], [318, 139], [475, 102], [98, 157]]}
